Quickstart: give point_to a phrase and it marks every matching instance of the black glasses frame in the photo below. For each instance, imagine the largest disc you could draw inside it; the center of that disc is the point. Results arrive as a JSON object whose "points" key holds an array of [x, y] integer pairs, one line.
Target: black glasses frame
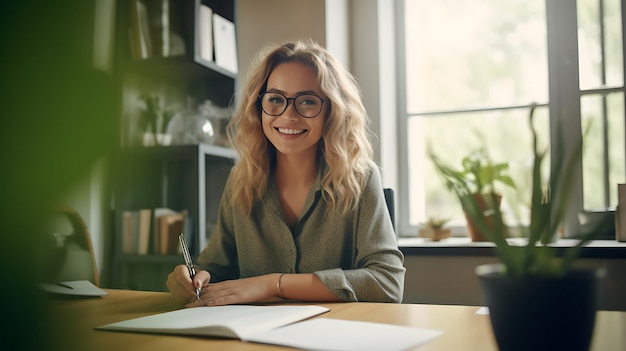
{"points": [[293, 99]]}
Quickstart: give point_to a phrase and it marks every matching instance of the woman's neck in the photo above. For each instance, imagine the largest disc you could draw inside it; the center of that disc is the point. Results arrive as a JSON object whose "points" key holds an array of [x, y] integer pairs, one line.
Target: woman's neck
{"points": [[294, 177], [295, 170]]}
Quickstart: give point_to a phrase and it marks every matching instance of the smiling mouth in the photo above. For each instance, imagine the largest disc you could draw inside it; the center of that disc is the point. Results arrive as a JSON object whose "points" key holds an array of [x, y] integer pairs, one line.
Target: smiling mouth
{"points": [[290, 131]]}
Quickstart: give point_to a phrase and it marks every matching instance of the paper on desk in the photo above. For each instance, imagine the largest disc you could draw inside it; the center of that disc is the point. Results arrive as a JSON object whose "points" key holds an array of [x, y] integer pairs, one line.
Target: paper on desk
{"points": [[326, 334], [483, 310], [79, 288]]}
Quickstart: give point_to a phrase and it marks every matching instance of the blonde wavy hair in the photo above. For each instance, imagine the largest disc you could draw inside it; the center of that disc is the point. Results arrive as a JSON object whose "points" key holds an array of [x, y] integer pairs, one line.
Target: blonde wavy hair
{"points": [[345, 147]]}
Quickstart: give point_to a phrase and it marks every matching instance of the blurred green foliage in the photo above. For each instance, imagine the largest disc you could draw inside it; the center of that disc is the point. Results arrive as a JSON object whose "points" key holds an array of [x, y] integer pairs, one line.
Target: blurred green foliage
{"points": [[58, 118]]}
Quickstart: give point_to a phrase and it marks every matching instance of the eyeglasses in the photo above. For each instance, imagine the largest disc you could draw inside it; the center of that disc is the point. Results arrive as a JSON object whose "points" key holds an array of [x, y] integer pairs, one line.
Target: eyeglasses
{"points": [[306, 105]]}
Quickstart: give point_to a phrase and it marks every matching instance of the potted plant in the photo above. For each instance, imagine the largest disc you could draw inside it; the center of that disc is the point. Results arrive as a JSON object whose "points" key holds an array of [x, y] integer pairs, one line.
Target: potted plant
{"points": [[537, 299], [434, 229], [153, 122], [476, 179]]}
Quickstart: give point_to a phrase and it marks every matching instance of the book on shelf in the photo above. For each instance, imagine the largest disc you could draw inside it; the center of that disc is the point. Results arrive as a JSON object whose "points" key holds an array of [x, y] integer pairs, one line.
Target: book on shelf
{"points": [[130, 232], [168, 225], [140, 40], [145, 216], [154, 231], [205, 33], [127, 232]]}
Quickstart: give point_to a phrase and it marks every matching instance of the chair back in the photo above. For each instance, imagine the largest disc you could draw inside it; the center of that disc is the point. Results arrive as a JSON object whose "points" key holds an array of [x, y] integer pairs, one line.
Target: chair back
{"points": [[389, 199], [70, 257]]}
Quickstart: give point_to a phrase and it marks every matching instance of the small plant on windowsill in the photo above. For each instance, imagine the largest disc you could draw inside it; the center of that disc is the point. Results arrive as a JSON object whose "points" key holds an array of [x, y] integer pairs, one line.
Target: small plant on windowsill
{"points": [[434, 229], [475, 181]]}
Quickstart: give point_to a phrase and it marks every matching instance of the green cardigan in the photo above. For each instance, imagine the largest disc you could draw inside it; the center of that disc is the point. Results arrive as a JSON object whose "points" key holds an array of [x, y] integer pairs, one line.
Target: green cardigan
{"points": [[356, 256]]}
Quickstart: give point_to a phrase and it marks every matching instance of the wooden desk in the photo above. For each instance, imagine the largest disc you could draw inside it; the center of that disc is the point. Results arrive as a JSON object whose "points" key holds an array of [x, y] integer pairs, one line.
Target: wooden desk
{"points": [[463, 328]]}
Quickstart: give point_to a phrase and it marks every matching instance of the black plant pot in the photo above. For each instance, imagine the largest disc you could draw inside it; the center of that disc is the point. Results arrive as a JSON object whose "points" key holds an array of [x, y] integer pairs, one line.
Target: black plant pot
{"points": [[532, 313]]}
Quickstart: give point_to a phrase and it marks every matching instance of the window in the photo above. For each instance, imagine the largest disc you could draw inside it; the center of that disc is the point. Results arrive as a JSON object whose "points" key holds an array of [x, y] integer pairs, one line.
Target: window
{"points": [[602, 102], [472, 69]]}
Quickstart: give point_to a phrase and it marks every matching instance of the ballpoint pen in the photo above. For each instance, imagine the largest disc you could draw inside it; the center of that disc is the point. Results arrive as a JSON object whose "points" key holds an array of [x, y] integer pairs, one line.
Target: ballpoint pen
{"points": [[188, 263]]}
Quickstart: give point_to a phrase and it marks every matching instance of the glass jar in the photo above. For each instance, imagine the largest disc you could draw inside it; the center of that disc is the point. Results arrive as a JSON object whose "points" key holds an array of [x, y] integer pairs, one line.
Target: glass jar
{"points": [[219, 119], [191, 127]]}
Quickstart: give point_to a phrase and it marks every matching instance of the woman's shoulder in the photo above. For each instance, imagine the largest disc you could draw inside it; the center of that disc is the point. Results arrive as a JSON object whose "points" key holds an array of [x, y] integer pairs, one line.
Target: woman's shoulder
{"points": [[373, 176], [229, 186]]}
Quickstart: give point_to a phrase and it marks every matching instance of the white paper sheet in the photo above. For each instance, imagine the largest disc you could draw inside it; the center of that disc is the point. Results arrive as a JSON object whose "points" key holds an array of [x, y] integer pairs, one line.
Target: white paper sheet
{"points": [[483, 310], [325, 334]]}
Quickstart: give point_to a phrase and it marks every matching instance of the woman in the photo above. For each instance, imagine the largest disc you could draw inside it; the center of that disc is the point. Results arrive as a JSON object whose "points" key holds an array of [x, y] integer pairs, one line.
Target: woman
{"points": [[303, 215]]}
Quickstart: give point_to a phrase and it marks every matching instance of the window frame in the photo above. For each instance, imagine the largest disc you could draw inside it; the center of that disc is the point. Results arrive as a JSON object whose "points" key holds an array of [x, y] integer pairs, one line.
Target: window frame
{"points": [[564, 100]]}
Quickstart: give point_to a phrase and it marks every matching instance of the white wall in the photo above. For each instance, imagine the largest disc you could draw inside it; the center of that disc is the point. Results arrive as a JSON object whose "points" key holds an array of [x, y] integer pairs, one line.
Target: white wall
{"points": [[337, 30], [372, 52], [260, 23], [451, 280]]}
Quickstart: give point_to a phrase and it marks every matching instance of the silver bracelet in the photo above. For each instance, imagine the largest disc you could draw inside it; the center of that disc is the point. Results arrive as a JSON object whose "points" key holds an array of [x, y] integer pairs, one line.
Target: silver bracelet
{"points": [[279, 288]]}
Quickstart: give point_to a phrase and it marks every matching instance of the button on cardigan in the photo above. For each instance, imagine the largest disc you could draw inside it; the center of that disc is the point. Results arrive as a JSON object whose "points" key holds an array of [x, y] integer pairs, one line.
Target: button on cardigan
{"points": [[356, 255]]}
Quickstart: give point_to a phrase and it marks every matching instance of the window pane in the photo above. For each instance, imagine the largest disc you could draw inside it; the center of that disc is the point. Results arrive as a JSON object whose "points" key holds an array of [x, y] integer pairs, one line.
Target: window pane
{"points": [[506, 135], [613, 38], [600, 62], [617, 144], [600, 188], [478, 53]]}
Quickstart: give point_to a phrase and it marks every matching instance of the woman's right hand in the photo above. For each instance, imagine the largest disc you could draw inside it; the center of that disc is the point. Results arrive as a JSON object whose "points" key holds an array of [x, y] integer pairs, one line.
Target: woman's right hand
{"points": [[182, 288]]}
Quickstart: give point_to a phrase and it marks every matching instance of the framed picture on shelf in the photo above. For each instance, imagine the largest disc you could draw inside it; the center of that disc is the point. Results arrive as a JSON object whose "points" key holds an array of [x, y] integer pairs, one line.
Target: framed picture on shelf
{"points": [[225, 44]]}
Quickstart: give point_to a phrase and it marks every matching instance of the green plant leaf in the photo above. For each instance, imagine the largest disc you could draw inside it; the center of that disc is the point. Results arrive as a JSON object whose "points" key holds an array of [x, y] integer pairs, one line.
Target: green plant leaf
{"points": [[548, 205]]}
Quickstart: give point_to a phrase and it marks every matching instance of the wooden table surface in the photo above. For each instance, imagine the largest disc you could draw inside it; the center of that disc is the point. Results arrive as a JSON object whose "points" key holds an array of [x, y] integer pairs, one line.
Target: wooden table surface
{"points": [[463, 328]]}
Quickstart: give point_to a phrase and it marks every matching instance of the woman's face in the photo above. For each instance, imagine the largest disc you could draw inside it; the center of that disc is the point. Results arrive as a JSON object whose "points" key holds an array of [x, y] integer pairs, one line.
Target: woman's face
{"points": [[290, 133]]}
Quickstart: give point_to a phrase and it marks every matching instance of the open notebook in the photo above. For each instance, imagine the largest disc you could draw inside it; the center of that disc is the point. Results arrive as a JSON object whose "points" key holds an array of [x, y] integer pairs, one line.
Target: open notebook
{"points": [[234, 321], [279, 325]]}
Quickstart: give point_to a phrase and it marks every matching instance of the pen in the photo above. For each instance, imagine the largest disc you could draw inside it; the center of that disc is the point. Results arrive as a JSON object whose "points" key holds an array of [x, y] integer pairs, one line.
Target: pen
{"points": [[188, 263]]}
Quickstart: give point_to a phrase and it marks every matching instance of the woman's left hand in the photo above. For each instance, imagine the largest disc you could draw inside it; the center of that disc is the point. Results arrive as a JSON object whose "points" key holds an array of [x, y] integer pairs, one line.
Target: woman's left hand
{"points": [[246, 290]]}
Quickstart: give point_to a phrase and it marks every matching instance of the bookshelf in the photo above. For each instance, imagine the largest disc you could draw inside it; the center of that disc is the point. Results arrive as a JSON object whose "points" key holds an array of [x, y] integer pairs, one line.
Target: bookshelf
{"points": [[175, 75], [185, 177], [156, 55]]}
